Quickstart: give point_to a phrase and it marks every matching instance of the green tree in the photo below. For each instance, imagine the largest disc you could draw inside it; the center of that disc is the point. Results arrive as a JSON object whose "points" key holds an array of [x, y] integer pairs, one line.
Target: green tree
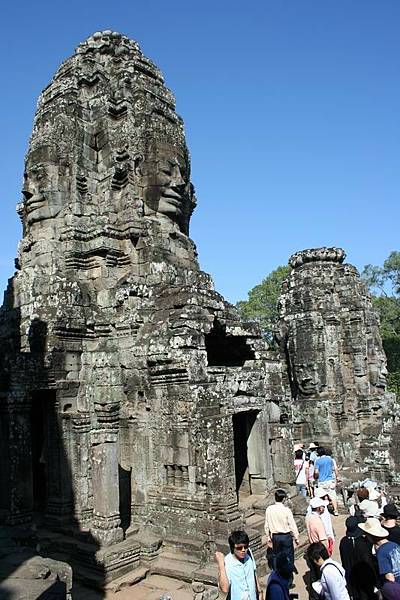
{"points": [[262, 301], [384, 285]]}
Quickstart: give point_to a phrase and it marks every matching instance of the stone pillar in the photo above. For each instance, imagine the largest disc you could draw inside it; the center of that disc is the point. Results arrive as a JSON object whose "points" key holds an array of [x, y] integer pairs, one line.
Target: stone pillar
{"points": [[59, 478], [81, 482], [20, 460], [106, 519]]}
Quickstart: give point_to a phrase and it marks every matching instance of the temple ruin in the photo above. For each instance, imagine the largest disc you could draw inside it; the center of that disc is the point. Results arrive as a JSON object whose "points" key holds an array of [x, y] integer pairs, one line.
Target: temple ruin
{"points": [[138, 409]]}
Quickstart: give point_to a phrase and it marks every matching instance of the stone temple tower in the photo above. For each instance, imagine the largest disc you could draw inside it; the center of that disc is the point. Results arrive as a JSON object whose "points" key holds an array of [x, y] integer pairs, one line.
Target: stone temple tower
{"points": [[137, 408], [337, 366]]}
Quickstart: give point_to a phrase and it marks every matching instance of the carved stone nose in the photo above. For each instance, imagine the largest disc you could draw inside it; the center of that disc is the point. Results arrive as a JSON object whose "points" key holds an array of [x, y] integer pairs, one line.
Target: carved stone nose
{"points": [[27, 195]]}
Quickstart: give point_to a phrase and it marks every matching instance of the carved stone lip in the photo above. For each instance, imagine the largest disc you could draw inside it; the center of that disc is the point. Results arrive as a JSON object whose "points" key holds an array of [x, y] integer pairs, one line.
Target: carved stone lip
{"points": [[34, 203], [172, 197]]}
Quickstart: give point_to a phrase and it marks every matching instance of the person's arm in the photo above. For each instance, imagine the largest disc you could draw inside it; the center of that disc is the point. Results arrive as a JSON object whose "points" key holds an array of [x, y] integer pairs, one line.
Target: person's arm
{"points": [[258, 587], [316, 470], [335, 469], [293, 527], [267, 531], [223, 580]]}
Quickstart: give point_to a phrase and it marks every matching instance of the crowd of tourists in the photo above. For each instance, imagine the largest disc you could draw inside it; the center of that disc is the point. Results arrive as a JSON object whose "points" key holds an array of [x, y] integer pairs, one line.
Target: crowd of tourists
{"points": [[369, 550]]}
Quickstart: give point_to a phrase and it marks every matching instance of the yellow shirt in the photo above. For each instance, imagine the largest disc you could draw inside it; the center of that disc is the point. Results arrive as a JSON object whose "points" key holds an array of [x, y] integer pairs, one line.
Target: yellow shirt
{"points": [[279, 519]]}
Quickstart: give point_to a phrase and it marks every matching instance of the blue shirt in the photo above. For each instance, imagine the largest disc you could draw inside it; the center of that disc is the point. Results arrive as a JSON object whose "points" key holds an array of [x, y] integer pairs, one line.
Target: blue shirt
{"points": [[324, 465], [388, 556], [241, 577]]}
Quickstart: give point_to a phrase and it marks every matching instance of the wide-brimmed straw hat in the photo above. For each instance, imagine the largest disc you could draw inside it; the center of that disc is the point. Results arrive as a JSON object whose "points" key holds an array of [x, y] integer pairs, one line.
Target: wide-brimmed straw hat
{"points": [[373, 527], [312, 446], [391, 511]]}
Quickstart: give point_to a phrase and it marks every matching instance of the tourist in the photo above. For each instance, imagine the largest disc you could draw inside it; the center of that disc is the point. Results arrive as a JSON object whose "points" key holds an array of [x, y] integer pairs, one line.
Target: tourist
{"points": [[389, 522], [313, 447], [310, 478], [237, 570], [281, 529], [279, 580], [332, 585], [325, 470], [358, 562], [326, 517], [315, 527], [388, 556], [301, 470]]}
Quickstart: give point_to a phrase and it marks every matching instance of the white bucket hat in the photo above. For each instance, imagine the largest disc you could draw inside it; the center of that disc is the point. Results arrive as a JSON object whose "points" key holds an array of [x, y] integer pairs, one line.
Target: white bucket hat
{"points": [[373, 494], [370, 508], [373, 527], [312, 446], [317, 502]]}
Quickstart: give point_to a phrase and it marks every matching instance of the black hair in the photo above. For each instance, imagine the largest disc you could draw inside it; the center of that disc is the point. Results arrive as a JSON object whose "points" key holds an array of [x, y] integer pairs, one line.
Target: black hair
{"points": [[316, 551], [238, 537], [280, 495], [316, 444], [320, 450], [299, 454], [283, 565]]}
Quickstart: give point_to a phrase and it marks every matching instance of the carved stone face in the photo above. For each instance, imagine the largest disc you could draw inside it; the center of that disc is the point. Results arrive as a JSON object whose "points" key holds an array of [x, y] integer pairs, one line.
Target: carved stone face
{"points": [[165, 181], [377, 370], [308, 379], [43, 198]]}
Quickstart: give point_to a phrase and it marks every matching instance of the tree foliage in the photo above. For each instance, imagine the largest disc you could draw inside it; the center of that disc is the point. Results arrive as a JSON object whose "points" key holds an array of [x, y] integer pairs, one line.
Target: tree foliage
{"points": [[384, 286], [262, 301]]}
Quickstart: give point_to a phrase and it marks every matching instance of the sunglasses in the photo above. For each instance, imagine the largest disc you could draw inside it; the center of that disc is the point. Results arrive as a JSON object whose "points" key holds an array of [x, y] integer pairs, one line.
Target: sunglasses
{"points": [[241, 547]]}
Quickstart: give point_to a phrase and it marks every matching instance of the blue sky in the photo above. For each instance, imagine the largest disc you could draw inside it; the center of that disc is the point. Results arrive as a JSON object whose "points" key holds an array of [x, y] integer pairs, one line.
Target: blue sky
{"points": [[291, 110]]}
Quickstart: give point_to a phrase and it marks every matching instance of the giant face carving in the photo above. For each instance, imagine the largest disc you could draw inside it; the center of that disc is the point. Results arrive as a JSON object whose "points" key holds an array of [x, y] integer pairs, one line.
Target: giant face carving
{"points": [[43, 192], [164, 179]]}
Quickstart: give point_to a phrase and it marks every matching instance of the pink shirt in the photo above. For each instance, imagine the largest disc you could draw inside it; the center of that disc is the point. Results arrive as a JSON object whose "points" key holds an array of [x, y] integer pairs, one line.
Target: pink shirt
{"points": [[315, 528]]}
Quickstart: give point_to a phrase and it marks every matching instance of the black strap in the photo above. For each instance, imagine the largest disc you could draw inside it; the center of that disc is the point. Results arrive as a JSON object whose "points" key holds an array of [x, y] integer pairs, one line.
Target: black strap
{"points": [[302, 465], [332, 565]]}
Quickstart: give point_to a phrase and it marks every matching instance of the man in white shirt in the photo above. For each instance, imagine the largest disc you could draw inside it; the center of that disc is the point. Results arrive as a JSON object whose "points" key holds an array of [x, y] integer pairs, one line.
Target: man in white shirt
{"points": [[333, 580], [281, 529]]}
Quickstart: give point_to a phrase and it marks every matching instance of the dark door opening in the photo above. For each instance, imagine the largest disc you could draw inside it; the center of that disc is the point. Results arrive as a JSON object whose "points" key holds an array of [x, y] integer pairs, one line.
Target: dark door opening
{"points": [[243, 423]]}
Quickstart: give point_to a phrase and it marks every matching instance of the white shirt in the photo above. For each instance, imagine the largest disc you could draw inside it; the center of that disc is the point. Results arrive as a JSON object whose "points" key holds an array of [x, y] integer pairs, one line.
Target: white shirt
{"points": [[333, 581]]}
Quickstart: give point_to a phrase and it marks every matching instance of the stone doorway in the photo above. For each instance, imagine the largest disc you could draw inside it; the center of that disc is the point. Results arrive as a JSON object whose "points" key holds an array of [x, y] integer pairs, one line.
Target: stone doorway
{"points": [[249, 454]]}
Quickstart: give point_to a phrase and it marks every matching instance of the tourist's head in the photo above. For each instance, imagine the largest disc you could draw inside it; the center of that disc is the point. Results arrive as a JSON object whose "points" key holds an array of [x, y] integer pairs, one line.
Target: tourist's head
{"points": [[239, 543], [283, 565], [317, 553], [317, 505], [362, 493], [373, 529], [352, 529], [390, 511], [321, 451], [298, 454], [280, 495]]}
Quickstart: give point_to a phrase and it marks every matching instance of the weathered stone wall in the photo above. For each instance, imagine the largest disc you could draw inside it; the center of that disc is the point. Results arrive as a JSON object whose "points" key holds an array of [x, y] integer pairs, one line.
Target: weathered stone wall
{"points": [[336, 363], [129, 386]]}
